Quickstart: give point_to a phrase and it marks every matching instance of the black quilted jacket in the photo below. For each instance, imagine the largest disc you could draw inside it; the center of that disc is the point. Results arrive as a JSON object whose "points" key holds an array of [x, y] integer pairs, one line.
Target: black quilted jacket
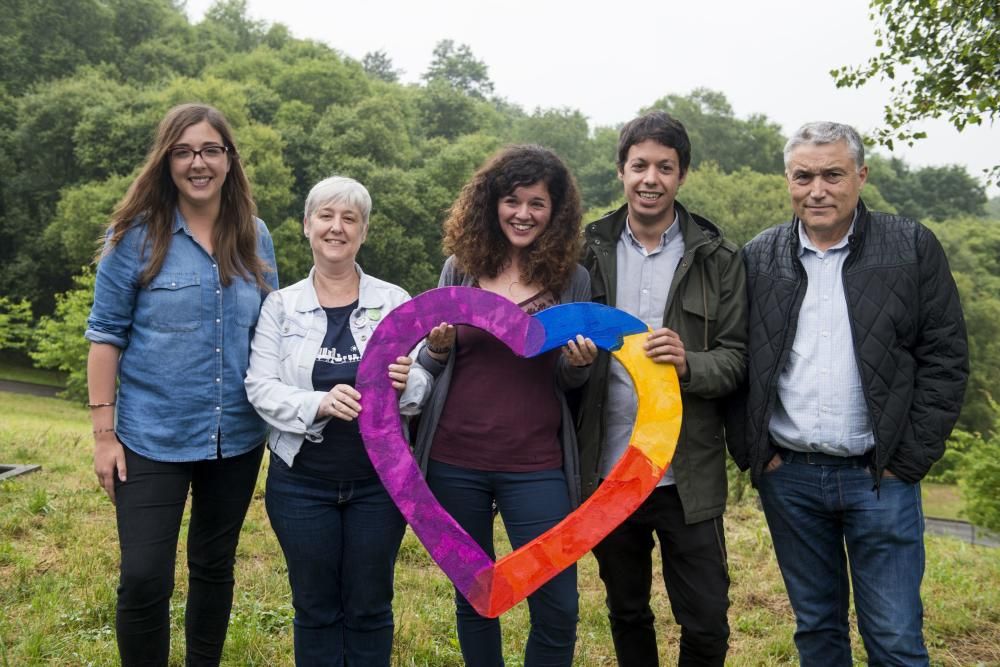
{"points": [[909, 339]]}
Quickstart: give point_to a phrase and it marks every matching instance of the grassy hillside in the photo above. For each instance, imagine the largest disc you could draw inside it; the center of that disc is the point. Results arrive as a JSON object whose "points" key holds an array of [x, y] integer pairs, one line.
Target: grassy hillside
{"points": [[58, 571]]}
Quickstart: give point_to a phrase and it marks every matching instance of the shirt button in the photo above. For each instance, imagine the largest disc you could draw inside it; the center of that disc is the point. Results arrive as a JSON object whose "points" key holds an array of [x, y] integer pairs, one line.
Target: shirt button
{"points": [[214, 266], [826, 334], [213, 437], [218, 407], [364, 337], [218, 380], [173, 284], [217, 320], [216, 291], [217, 350]]}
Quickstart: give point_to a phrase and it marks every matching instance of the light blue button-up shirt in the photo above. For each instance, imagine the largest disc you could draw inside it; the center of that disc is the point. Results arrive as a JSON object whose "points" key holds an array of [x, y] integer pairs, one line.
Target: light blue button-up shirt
{"points": [[821, 405], [643, 284], [185, 342]]}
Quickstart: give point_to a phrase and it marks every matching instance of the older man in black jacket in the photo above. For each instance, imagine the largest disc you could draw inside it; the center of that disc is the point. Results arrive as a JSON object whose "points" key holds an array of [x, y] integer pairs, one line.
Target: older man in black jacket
{"points": [[857, 368]]}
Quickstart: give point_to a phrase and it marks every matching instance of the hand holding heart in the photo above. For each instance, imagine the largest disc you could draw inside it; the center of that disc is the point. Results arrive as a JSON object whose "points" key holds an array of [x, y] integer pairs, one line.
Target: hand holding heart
{"points": [[490, 587]]}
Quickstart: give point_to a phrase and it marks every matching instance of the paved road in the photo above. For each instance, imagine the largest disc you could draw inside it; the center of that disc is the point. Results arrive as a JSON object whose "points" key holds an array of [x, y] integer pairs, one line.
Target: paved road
{"points": [[28, 388], [962, 530]]}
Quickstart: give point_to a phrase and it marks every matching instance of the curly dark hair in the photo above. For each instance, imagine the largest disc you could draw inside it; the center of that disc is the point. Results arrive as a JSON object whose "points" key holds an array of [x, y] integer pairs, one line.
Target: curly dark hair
{"points": [[472, 230]]}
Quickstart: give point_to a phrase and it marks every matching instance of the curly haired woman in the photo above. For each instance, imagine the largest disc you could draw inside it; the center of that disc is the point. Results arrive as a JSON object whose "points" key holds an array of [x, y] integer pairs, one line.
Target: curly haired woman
{"points": [[497, 435]]}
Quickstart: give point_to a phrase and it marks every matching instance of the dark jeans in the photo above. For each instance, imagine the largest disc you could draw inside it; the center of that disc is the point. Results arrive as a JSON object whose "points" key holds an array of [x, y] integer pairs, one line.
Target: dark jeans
{"points": [[695, 572], [340, 541], [530, 503], [814, 512], [149, 508]]}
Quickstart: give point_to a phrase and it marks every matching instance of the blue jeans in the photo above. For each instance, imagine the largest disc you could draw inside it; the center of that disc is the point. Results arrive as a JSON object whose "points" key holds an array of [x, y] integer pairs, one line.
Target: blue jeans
{"points": [[530, 503], [814, 512], [340, 541]]}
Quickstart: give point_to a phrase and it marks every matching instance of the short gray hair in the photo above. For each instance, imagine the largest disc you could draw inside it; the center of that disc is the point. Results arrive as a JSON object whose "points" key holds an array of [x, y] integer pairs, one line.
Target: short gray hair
{"points": [[826, 132], [337, 189]]}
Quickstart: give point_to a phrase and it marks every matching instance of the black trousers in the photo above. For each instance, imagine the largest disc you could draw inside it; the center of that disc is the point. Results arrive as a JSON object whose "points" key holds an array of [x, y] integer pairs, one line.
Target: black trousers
{"points": [[695, 572], [149, 508]]}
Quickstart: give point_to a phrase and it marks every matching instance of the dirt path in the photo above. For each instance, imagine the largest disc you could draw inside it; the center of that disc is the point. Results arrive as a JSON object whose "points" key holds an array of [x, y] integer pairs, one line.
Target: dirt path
{"points": [[28, 388]]}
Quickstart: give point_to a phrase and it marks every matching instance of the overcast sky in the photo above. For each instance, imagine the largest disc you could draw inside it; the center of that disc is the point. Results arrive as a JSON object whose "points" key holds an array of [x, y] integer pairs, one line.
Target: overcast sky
{"points": [[608, 59]]}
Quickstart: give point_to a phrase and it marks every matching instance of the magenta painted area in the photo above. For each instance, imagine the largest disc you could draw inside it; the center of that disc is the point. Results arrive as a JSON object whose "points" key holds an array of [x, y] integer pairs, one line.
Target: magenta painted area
{"points": [[449, 545]]}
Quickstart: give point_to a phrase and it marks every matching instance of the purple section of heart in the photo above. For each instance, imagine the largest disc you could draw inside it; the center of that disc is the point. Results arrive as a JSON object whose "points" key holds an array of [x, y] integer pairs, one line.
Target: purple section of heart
{"points": [[455, 551]]}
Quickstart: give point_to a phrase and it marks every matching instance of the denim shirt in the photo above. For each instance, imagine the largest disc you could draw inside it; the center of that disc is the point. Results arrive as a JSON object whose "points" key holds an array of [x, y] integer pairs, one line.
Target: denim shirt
{"points": [[185, 346], [291, 331]]}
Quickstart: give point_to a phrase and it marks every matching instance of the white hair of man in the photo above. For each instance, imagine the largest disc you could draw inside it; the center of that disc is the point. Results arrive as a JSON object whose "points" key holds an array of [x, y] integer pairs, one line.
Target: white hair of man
{"points": [[826, 132], [337, 189]]}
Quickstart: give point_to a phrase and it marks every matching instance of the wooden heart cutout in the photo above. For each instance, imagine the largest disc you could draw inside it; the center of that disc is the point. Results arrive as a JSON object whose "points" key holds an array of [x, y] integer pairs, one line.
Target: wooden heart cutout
{"points": [[493, 588]]}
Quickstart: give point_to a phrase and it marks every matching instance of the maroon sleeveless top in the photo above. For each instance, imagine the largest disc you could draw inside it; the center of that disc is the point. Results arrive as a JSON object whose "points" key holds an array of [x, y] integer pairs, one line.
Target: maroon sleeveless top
{"points": [[502, 412]]}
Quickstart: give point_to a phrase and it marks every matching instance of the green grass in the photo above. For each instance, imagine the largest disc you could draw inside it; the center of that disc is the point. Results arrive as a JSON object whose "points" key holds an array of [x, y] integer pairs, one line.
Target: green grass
{"points": [[943, 501], [59, 559]]}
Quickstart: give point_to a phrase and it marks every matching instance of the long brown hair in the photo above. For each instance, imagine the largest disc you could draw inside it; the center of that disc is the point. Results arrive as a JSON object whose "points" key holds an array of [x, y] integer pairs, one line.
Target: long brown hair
{"points": [[472, 230], [152, 199]]}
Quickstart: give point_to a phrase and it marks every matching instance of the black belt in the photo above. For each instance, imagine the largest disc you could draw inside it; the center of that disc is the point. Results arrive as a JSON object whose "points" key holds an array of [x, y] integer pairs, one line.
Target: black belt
{"points": [[820, 459]]}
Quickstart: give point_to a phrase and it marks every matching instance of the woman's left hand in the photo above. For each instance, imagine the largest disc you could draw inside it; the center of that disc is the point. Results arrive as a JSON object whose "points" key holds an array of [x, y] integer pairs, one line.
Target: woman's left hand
{"points": [[342, 402], [399, 372], [580, 352]]}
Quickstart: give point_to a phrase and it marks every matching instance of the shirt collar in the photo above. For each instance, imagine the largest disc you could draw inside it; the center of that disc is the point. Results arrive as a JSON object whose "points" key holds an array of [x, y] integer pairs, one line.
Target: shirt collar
{"points": [[805, 243], [180, 223], [670, 234], [369, 295]]}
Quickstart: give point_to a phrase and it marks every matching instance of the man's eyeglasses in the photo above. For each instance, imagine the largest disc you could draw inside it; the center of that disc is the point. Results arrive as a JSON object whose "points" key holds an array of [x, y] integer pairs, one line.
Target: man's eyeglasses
{"points": [[208, 153]]}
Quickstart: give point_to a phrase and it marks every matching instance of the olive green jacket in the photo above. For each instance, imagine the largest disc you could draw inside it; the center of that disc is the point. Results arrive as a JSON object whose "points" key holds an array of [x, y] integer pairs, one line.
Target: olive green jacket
{"points": [[707, 308]]}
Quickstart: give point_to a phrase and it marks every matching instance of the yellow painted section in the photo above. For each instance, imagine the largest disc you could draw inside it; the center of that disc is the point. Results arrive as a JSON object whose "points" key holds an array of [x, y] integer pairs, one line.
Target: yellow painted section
{"points": [[658, 421]]}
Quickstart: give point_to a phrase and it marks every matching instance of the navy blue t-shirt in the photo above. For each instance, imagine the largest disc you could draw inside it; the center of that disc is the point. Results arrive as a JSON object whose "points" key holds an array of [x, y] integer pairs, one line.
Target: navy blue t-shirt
{"points": [[341, 455]]}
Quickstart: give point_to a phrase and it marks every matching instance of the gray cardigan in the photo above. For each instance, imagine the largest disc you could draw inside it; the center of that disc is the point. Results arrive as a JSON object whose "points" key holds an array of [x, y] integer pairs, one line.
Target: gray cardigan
{"points": [[567, 377]]}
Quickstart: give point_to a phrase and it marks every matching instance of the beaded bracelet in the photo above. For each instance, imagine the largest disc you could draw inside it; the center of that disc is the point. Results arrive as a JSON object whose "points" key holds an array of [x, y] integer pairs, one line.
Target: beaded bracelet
{"points": [[101, 405], [103, 430]]}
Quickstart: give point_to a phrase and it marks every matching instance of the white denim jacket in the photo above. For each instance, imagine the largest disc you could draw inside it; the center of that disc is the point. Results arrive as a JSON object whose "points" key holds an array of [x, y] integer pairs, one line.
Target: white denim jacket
{"points": [[289, 333]]}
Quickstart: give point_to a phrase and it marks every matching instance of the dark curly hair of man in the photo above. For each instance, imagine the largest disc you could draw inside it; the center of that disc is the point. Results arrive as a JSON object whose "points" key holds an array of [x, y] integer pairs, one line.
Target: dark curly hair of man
{"points": [[472, 230]]}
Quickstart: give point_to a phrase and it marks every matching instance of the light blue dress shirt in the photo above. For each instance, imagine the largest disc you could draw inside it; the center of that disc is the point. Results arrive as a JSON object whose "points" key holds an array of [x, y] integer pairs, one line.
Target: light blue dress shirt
{"points": [[644, 279], [821, 405], [185, 347]]}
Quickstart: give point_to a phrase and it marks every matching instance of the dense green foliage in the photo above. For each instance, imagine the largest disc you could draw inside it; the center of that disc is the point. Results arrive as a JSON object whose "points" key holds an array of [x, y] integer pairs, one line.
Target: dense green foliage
{"points": [[941, 57], [80, 98]]}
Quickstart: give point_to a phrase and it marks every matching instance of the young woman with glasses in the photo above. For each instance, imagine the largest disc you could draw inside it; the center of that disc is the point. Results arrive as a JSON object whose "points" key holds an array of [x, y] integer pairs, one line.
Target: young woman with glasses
{"points": [[180, 281]]}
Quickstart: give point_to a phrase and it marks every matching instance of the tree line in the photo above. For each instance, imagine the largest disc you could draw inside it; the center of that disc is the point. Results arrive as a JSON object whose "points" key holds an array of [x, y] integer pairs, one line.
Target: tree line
{"points": [[80, 98]]}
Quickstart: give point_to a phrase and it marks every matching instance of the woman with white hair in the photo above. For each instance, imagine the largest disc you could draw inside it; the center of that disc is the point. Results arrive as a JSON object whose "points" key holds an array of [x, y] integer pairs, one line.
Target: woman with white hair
{"points": [[337, 525]]}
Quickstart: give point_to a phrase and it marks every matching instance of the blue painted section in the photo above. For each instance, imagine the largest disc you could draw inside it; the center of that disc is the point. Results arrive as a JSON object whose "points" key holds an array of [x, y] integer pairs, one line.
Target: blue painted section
{"points": [[604, 325]]}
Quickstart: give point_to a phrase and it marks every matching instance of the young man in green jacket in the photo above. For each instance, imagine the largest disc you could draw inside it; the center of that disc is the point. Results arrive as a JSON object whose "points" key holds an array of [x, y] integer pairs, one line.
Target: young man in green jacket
{"points": [[676, 272]]}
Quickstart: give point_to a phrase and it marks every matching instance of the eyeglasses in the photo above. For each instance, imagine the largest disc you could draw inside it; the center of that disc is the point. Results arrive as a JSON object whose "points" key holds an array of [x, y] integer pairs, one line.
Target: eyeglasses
{"points": [[208, 153]]}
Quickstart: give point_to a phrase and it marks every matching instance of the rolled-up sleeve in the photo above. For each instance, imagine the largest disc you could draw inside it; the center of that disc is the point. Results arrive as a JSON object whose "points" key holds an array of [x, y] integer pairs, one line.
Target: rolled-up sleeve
{"points": [[115, 288]]}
